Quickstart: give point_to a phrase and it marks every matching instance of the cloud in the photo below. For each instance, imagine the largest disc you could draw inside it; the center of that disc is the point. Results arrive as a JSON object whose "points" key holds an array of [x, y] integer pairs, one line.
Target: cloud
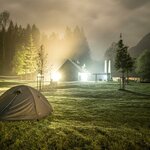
{"points": [[102, 20], [133, 4]]}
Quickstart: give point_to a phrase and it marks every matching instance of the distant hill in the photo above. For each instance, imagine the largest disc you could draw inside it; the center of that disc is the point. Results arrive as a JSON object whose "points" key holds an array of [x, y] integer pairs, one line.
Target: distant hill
{"points": [[141, 46]]}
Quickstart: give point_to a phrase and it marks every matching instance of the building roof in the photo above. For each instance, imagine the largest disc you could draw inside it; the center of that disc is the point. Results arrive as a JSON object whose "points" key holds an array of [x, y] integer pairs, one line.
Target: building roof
{"points": [[78, 67]]}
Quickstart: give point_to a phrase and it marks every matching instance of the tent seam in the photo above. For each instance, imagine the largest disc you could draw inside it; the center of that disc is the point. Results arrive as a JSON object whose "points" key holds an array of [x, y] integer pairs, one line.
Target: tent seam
{"points": [[33, 100], [9, 103]]}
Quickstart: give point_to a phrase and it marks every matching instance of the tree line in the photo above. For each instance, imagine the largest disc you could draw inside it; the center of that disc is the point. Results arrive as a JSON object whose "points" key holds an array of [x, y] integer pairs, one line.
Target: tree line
{"points": [[72, 44], [20, 46]]}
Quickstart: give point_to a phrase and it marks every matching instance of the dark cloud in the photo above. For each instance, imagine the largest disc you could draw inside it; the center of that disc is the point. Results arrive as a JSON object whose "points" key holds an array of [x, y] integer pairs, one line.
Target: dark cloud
{"points": [[133, 4], [102, 20]]}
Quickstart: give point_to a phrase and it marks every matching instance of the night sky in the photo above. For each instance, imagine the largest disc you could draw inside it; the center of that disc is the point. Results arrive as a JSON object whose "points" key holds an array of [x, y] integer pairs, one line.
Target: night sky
{"points": [[102, 20]]}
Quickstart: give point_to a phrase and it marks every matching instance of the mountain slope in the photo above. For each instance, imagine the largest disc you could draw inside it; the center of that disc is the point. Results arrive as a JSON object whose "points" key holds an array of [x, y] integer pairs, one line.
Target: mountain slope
{"points": [[141, 46]]}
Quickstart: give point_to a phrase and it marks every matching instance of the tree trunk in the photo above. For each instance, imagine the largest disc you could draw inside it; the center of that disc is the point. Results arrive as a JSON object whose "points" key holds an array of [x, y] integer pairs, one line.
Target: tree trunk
{"points": [[123, 81], [3, 56], [127, 77]]}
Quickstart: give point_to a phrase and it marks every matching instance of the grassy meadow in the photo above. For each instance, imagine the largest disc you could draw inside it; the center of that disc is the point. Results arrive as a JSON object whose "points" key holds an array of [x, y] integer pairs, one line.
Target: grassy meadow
{"points": [[86, 117]]}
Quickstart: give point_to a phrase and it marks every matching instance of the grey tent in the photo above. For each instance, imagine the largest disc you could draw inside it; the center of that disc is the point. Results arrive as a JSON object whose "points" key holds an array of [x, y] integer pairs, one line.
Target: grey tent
{"points": [[23, 103]]}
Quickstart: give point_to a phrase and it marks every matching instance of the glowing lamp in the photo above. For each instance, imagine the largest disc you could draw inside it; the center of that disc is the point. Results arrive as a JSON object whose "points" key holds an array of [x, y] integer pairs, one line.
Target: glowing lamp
{"points": [[83, 76], [104, 77], [56, 76], [39, 75]]}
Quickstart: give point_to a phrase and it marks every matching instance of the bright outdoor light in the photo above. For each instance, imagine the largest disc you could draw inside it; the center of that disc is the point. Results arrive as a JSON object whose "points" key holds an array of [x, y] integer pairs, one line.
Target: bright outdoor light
{"points": [[38, 75], [56, 76], [83, 76], [104, 77]]}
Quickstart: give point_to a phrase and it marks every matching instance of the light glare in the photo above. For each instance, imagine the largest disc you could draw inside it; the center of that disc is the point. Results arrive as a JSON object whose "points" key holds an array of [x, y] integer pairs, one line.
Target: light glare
{"points": [[56, 76], [83, 76]]}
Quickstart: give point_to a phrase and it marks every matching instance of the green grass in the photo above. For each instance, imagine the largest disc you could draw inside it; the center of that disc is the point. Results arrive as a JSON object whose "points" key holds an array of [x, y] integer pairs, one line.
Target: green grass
{"points": [[86, 116]]}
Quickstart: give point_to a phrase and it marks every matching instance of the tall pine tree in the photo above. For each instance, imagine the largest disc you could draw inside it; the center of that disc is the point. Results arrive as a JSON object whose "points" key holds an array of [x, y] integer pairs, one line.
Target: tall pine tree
{"points": [[4, 19], [24, 61], [121, 61], [36, 36]]}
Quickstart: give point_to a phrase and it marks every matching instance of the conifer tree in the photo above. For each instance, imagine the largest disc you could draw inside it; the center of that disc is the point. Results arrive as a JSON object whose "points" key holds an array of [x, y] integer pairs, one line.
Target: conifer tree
{"points": [[30, 56], [2, 34], [82, 50], [41, 60], [4, 19], [143, 66], [36, 35], [41, 65], [10, 46], [19, 65], [129, 66], [24, 61], [121, 61], [26, 34]]}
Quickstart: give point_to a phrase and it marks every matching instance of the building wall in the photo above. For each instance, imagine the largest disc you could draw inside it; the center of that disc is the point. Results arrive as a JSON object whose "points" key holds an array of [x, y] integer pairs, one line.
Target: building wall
{"points": [[69, 72]]}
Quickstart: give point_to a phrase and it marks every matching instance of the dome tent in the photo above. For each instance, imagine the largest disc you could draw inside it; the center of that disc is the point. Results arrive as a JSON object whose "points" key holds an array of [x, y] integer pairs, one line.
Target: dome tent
{"points": [[23, 103]]}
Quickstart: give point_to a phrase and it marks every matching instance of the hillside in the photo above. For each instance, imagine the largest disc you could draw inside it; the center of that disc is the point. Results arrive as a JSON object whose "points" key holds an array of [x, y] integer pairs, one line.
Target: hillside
{"points": [[141, 46]]}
